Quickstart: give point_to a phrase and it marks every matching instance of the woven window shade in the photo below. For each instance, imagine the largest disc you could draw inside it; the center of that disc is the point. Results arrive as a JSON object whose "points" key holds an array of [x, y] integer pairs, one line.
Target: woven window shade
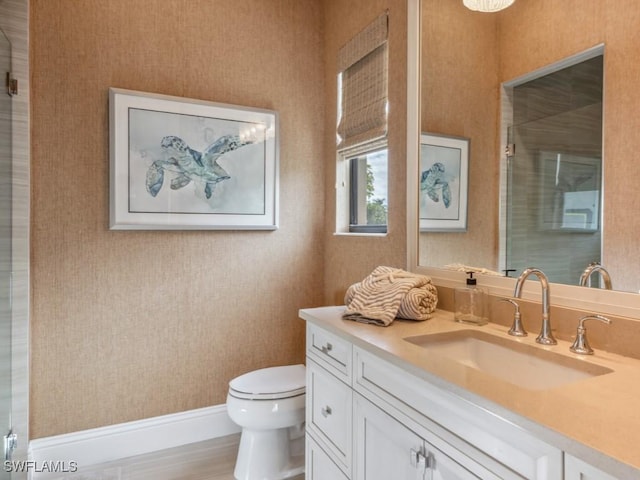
{"points": [[363, 64]]}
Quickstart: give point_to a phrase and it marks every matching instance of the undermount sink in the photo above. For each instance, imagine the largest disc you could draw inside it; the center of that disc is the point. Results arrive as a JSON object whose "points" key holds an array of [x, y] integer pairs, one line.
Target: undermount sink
{"points": [[520, 364]]}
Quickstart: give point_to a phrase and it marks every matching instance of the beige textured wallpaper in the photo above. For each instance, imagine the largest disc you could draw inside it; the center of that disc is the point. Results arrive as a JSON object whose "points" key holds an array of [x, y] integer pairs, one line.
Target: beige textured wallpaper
{"points": [[571, 27], [127, 325], [349, 258]]}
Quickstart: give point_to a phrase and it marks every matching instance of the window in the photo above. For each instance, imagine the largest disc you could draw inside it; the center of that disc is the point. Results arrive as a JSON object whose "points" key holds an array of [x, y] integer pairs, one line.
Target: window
{"points": [[368, 192], [362, 131], [362, 197]]}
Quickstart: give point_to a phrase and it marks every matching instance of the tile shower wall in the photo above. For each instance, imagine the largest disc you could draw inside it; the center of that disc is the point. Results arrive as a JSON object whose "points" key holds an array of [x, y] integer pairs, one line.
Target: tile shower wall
{"points": [[129, 325]]}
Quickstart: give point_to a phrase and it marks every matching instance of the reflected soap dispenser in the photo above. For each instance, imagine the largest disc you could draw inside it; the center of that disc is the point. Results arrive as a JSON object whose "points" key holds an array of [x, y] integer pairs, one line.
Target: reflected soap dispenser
{"points": [[470, 303]]}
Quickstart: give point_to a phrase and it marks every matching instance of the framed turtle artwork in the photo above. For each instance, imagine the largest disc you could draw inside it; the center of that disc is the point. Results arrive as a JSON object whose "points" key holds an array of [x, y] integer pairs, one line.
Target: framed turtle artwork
{"points": [[444, 180], [179, 163]]}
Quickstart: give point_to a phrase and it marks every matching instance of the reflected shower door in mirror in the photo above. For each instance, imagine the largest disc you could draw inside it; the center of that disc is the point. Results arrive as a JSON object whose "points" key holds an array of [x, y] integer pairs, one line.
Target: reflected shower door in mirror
{"points": [[467, 65], [553, 180]]}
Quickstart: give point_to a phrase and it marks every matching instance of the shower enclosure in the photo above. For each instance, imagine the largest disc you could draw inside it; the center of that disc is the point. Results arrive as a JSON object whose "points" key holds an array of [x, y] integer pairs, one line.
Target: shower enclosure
{"points": [[5, 256]]}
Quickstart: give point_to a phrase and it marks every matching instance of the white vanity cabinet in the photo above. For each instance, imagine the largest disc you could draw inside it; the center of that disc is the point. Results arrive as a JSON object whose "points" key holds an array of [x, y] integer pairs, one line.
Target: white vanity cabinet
{"points": [[576, 469], [378, 408], [368, 419]]}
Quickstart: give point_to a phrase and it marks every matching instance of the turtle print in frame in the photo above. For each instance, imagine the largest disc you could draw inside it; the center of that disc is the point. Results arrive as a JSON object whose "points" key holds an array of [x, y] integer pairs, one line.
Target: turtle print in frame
{"points": [[180, 163]]}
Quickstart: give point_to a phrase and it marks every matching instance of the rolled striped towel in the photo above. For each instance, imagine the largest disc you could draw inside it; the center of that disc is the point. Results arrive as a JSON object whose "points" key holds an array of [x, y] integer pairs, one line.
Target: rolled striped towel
{"points": [[389, 293]]}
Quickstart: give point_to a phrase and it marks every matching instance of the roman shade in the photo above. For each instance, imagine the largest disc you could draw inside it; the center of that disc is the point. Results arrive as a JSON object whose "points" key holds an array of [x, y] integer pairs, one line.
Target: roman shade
{"points": [[363, 73]]}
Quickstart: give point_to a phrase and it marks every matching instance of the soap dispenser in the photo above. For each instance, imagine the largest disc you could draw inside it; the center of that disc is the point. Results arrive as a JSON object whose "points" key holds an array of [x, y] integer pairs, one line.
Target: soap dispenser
{"points": [[470, 303]]}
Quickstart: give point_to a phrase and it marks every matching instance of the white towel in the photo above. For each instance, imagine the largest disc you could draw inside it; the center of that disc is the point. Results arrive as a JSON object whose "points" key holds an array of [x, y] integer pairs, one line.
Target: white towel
{"points": [[388, 293]]}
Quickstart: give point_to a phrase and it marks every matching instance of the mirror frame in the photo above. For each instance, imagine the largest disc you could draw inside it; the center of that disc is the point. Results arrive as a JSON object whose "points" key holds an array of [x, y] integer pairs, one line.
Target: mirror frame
{"points": [[583, 298]]}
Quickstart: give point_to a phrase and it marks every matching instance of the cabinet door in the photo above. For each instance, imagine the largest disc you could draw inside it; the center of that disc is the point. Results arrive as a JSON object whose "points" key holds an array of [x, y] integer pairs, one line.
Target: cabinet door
{"points": [[445, 468], [576, 469], [387, 449], [319, 465]]}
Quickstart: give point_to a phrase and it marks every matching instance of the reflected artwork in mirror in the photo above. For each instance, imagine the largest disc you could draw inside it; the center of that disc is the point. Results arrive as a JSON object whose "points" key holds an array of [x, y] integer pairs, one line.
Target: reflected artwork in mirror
{"points": [[579, 191], [444, 179]]}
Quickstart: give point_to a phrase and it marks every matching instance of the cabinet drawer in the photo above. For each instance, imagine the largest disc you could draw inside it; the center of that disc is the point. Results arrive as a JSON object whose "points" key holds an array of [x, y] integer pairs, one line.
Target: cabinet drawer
{"points": [[453, 418], [330, 351], [329, 412]]}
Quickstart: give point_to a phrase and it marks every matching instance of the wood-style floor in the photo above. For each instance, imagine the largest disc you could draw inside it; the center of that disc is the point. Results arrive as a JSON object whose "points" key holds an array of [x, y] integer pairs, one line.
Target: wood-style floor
{"points": [[210, 460]]}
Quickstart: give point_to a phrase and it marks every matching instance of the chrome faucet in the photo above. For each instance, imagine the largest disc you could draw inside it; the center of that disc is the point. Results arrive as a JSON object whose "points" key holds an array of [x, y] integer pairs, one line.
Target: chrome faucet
{"points": [[545, 337], [580, 344], [585, 278]]}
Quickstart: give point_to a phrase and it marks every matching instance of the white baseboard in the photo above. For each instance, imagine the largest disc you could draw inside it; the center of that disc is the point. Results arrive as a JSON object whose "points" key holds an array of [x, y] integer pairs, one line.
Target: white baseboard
{"points": [[114, 442]]}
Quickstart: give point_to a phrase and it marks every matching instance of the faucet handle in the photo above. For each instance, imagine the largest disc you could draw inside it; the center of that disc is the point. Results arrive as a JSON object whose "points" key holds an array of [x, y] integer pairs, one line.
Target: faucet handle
{"points": [[516, 330], [580, 344]]}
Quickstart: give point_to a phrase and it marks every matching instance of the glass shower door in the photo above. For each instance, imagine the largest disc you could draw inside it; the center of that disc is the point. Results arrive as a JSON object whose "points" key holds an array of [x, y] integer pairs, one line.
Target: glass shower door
{"points": [[5, 248]]}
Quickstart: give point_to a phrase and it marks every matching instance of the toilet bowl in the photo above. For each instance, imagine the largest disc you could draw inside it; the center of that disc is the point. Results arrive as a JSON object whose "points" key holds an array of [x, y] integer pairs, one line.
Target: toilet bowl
{"points": [[269, 406]]}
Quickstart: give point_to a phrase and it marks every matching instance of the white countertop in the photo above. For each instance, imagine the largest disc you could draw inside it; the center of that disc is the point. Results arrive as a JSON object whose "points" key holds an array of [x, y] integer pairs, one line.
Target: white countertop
{"points": [[596, 419]]}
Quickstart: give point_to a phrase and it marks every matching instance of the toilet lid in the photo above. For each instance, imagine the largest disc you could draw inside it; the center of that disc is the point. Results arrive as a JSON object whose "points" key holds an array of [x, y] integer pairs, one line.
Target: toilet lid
{"points": [[270, 383]]}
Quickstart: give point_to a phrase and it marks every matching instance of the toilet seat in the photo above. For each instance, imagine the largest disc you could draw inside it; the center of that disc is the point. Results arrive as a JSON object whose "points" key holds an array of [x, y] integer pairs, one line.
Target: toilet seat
{"points": [[270, 383]]}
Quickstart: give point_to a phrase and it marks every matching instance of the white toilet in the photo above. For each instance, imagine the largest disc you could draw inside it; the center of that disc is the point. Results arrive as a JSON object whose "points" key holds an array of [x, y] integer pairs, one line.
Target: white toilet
{"points": [[269, 406]]}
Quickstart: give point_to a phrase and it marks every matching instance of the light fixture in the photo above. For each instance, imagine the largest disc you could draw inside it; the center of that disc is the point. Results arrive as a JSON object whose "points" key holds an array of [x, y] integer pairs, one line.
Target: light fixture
{"points": [[487, 5]]}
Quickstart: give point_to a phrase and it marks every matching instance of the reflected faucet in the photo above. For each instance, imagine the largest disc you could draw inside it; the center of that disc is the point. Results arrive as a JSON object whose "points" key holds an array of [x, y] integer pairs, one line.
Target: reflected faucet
{"points": [[585, 278], [545, 337]]}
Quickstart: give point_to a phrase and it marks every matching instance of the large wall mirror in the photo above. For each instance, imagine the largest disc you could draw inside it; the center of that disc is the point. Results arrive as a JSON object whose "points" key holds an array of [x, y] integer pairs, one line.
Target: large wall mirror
{"points": [[577, 188]]}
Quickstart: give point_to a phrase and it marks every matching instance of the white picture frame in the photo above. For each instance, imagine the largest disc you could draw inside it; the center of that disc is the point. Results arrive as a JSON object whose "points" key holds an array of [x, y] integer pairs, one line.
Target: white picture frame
{"points": [[443, 183], [185, 164]]}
